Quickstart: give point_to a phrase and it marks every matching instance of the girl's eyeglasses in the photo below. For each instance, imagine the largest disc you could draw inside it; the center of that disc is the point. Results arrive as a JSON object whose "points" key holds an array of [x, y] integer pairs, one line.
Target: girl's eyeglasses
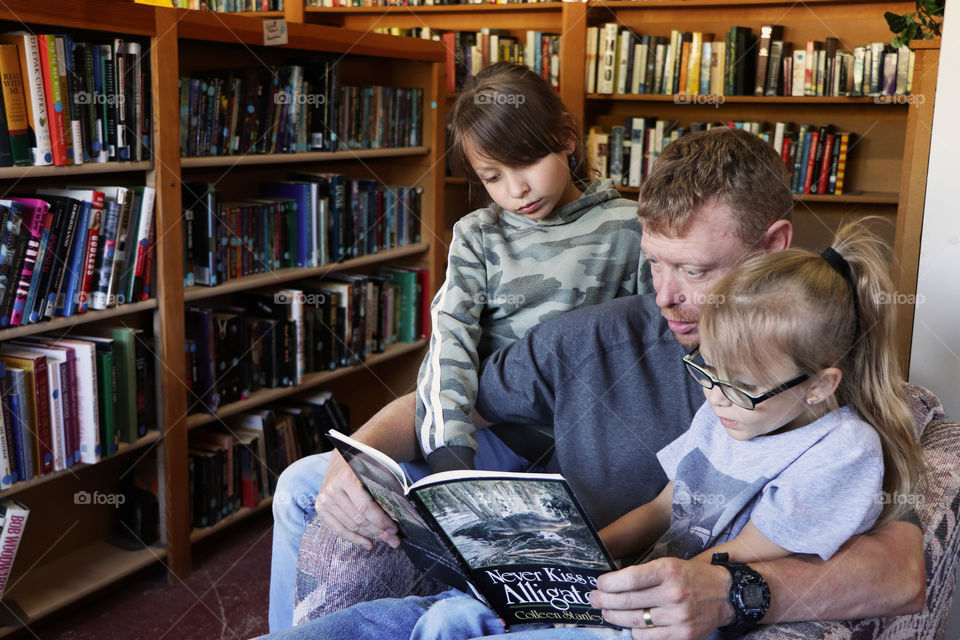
{"points": [[735, 395]]}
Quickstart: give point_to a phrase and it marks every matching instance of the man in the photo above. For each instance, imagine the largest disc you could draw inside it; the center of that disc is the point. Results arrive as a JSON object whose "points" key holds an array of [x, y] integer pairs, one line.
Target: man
{"points": [[609, 380]]}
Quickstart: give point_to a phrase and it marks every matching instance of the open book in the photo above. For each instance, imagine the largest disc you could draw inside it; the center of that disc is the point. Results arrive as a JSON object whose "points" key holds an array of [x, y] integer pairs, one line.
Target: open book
{"points": [[519, 542]]}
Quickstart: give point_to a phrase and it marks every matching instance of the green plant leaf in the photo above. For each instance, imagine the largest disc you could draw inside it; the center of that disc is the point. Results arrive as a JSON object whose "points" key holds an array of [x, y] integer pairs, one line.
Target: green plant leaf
{"points": [[911, 32], [896, 22], [933, 7]]}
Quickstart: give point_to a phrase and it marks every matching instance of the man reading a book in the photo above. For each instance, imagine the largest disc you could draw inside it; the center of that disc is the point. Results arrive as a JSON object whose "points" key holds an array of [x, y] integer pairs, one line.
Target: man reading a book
{"points": [[607, 379]]}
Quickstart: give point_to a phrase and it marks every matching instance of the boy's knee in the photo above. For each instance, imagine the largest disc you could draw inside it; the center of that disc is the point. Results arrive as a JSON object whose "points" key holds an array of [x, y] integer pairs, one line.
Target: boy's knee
{"points": [[298, 485]]}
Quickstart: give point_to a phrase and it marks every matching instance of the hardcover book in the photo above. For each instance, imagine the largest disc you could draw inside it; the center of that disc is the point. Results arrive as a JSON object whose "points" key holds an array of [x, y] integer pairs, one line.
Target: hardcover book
{"points": [[519, 542]]}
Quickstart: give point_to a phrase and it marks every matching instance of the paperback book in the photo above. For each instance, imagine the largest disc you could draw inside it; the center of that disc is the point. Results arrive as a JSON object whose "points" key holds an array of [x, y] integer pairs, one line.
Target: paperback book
{"points": [[519, 542]]}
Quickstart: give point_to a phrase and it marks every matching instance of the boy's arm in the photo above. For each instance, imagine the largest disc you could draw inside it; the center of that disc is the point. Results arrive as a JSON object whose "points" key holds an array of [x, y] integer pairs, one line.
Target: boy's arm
{"points": [[343, 503], [632, 534], [447, 382], [878, 574], [749, 546]]}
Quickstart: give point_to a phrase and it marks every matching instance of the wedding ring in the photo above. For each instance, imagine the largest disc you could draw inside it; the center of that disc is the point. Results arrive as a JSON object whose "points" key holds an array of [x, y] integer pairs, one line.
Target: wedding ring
{"points": [[647, 619]]}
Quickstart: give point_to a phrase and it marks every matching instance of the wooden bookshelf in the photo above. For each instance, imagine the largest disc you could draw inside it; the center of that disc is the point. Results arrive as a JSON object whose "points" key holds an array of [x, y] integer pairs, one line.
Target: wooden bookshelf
{"points": [[66, 554], [48, 587], [237, 516], [152, 437], [204, 162], [281, 276], [310, 381], [88, 168]]}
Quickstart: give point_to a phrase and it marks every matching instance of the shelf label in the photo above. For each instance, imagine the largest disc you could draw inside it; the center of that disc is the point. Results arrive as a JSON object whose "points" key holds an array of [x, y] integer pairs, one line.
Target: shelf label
{"points": [[274, 32]]}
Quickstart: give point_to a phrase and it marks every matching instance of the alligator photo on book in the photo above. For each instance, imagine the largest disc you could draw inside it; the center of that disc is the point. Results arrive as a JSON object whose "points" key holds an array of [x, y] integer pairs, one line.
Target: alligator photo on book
{"points": [[519, 542]]}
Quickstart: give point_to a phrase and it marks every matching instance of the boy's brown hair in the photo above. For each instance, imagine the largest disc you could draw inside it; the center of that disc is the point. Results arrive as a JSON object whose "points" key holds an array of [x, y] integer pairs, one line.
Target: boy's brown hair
{"points": [[723, 166]]}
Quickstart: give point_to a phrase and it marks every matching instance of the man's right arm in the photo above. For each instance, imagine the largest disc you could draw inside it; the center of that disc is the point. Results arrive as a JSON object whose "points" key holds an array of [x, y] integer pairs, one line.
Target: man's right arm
{"points": [[343, 503]]}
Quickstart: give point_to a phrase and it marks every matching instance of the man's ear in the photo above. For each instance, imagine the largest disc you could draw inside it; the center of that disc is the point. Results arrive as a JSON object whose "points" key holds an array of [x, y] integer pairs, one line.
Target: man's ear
{"points": [[825, 384], [778, 237]]}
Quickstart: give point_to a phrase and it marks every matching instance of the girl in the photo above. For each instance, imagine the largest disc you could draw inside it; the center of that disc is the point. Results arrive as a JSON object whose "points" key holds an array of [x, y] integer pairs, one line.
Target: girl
{"points": [[549, 241], [805, 438]]}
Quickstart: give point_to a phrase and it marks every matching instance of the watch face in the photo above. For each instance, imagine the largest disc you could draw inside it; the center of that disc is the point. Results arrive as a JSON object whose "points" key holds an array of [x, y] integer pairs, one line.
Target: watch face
{"points": [[752, 596]]}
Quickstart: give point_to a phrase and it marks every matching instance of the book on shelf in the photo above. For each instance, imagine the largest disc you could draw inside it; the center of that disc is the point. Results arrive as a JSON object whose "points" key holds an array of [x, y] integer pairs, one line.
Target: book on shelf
{"points": [[741, 63], [13, 520], [228, 6], [519, 542], [815, 156], [72, 102], [308, 221]]}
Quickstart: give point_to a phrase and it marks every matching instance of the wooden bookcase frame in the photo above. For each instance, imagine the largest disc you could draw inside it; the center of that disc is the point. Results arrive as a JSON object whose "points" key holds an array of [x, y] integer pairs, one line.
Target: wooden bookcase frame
{"points": [[888, 175], [66, 554]]}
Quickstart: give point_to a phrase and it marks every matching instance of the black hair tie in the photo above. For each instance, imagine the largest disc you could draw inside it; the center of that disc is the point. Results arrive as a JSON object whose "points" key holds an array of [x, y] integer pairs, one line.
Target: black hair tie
{"points": [[841, 266]]}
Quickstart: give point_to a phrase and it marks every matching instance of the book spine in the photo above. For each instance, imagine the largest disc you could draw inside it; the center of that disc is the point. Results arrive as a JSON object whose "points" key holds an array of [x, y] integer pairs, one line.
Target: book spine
{"points": [[42, 152], [47, 47], [92, 248], [14, 522], [810, 156], [65, 257], [105, 254], [34, 228]]}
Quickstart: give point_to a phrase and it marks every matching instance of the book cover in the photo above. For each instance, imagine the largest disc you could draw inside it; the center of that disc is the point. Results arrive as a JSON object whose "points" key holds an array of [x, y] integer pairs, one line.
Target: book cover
{"points": [[15, 106], [768, 34], [16, 401], [519, 542], [13, 520], [36, 398]]}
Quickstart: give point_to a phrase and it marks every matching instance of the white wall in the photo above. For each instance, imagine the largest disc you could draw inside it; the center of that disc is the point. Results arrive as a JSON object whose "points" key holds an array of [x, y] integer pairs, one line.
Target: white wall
{"points": [[935, 356]]}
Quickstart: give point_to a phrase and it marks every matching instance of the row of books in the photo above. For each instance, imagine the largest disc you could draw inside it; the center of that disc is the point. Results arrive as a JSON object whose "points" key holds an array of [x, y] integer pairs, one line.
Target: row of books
{"points": [[470, 51], [69, 102], [236, 465], [293, 108], [816, 156], [64, 251], [274, 339], [620, 61], [308, 221], [66, 401], [231, 6]]}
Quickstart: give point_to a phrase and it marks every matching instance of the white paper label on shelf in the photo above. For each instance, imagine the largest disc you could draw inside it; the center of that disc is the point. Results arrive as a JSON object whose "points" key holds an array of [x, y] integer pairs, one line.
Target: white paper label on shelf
{"points": [[274, 32]]}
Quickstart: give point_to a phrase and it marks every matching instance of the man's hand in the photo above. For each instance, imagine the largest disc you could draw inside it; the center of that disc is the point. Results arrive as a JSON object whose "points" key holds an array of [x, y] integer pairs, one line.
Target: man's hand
{"points": [[687, 599], [351, 513]]}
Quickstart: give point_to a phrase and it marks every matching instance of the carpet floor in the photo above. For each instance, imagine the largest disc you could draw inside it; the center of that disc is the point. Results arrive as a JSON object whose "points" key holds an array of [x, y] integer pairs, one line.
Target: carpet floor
{"points": [[225, 597]]}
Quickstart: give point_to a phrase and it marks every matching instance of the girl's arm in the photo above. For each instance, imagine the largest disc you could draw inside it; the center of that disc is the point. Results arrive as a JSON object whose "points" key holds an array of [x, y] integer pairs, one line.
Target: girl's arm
{"points": [[749, 546], [635, 532]]}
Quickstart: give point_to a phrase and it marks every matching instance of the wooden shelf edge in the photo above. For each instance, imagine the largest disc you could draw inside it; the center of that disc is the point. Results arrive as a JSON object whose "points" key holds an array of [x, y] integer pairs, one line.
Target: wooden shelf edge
{"points": [[115, 16], [293, 158], [47, 588], [288, 275], [239, 515], [310, 381], [77, 319], [679, 4], [713, 100], [125, 447], [89, 168], [208, 26], [867, 197], [448, 8]]}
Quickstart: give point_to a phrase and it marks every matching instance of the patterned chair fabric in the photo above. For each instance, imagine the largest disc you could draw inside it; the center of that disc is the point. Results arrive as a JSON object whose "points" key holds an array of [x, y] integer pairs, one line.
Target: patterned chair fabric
{"points": [[333, 574]]}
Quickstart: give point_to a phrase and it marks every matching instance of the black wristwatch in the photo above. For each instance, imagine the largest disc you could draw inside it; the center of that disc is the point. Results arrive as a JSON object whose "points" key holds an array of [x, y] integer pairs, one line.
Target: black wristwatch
{"points": [[749, 595]]}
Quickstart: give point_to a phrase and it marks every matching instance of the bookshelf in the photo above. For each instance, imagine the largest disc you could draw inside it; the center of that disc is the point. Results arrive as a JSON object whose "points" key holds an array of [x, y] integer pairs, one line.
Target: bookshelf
{"points": [[887, 176], [67, 554]]}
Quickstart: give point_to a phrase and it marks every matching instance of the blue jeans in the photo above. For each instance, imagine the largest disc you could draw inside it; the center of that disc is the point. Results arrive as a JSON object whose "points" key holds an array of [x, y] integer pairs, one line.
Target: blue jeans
{"points": [[450, 615], [293, 509]]}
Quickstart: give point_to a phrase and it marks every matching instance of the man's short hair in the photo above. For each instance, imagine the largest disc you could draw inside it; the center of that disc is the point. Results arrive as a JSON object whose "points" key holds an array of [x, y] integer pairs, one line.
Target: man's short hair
{"points": [[724, 166]]}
